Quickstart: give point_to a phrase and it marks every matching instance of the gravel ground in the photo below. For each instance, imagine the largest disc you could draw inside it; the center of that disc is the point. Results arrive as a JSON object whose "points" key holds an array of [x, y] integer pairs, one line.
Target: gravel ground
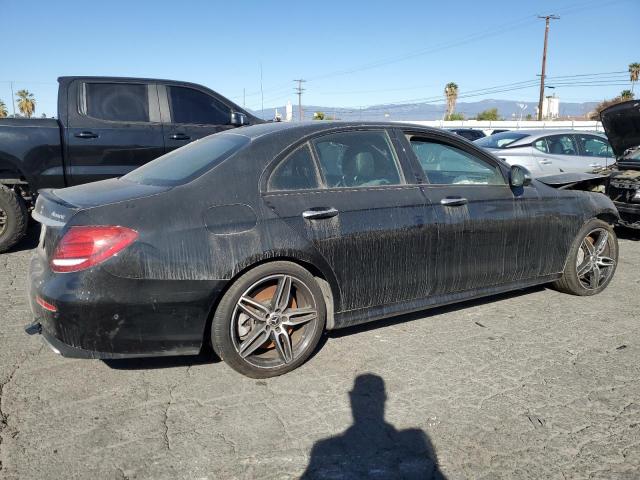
{"points": [[535, 384]]}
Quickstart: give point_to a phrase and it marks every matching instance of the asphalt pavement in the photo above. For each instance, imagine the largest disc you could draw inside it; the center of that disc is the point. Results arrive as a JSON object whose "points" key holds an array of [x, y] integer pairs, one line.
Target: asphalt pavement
{"points": [[533, 384]]}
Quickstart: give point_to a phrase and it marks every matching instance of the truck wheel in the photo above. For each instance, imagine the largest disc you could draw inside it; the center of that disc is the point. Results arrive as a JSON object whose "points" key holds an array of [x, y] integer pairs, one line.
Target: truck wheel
{"points": [[13, 218]]}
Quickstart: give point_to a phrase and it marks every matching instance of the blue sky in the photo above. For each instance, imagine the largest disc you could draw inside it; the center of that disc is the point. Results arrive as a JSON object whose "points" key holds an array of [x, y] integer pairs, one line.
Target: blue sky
{"points": [[352, 53]]}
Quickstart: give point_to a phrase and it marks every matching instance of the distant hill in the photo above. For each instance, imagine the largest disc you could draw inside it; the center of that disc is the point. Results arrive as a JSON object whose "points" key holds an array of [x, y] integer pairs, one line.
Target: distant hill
{"points": [[429, 111]]}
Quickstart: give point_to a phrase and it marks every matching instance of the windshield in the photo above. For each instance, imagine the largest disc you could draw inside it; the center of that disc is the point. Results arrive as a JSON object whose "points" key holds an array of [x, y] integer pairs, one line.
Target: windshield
{"points": [[500, 140], [184, 164]]}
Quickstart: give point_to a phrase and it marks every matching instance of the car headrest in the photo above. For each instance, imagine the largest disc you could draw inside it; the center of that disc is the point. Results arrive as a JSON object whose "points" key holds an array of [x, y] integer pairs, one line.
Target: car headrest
{"points": [[556, 147], [364, 164]]}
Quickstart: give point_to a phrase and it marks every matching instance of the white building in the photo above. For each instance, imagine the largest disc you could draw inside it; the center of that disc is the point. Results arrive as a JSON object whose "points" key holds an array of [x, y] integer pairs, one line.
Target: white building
{"points": [[288, 112], [550, 107]]}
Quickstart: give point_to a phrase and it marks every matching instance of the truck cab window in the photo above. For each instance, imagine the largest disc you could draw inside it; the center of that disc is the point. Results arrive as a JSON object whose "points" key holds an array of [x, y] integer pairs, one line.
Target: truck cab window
{"points": [[195, 107], [119, 102]]}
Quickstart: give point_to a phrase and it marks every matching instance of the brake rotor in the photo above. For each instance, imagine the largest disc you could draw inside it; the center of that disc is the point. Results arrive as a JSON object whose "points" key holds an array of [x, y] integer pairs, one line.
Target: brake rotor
{"points": [[265, 295]]}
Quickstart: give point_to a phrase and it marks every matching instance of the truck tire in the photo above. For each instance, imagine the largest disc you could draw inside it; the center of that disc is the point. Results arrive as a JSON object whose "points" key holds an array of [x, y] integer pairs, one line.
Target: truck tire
{"points": [[14, 218]]}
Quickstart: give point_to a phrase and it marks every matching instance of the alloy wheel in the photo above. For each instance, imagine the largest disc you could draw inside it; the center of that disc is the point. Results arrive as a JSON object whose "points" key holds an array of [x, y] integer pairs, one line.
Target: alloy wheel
{"points": [[594, 263], [274, 321]]}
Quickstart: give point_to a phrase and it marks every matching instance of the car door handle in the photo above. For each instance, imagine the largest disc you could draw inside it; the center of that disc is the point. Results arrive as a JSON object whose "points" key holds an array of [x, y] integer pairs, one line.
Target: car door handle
{"points": [[453, 201], [544, 161], [179, 136], [318, 213], [595, 165], [86, 135]]}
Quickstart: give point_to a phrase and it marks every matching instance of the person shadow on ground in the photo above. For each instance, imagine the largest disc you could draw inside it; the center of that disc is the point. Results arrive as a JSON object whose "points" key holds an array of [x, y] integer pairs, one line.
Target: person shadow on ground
{"points": [[371, 447]]}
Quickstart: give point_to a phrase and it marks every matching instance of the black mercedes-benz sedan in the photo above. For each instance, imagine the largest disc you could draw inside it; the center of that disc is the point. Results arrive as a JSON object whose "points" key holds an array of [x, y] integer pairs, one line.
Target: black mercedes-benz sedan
{"points": [[258, 240]]}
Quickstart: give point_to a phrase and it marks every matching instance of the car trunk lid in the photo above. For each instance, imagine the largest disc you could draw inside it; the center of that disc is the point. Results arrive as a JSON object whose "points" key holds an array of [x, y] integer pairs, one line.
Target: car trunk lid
{"points": [[54, 209]]}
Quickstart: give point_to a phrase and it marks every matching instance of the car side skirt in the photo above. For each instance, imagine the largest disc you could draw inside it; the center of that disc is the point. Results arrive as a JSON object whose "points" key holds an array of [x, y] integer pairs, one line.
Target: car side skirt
{"points": [[356, 317]]}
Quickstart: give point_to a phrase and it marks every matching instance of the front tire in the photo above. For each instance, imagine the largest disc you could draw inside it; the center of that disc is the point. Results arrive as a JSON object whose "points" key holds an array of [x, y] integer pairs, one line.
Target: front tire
{"points": [[269, 321], [13, 218], [592, 260]]}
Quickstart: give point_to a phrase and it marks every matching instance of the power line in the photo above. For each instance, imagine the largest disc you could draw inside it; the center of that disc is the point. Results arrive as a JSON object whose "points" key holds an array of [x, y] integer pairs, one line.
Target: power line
{"points": [[473, 37]]}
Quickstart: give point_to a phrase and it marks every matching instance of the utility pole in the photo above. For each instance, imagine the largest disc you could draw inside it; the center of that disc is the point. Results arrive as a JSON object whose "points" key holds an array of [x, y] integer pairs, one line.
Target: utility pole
{"points": [[13, 101], [261, 94], [547, 19], [299, 91]]}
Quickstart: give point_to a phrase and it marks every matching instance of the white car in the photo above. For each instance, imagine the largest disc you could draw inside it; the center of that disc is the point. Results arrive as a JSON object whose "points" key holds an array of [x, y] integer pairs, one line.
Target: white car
{"points": [[549, 152]]}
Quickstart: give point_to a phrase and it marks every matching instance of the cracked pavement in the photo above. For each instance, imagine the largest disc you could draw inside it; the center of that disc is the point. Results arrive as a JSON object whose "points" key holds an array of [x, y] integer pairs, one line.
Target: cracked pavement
{"points": [[534, 384]]}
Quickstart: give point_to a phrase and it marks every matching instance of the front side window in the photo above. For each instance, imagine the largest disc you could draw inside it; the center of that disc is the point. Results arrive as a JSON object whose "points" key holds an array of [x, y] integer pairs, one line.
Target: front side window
{"points": [[593, 146], [296, 172], [357, 159], [196, 107], [448, 165], [562, 145], [541, 145], [119, 102], [184, 164]]}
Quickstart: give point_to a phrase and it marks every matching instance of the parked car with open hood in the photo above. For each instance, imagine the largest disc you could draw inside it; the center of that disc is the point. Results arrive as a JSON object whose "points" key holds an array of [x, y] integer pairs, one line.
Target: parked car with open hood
{"points": [[257, 240], [549, 152], [622, 124]]}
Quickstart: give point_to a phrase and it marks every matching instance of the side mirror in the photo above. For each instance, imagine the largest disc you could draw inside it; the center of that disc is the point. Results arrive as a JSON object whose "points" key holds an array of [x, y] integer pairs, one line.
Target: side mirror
{"points": [[238, 119], [519, 176]]}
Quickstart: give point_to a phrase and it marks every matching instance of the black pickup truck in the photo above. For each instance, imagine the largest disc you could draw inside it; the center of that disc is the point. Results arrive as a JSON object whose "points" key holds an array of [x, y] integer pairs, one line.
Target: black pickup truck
{"points": [[106, 127]]}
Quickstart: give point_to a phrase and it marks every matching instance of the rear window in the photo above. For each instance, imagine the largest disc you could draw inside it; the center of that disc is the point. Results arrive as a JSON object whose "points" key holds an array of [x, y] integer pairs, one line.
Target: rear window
{"points": [[500, 140], [189, 162], [117, 102]]}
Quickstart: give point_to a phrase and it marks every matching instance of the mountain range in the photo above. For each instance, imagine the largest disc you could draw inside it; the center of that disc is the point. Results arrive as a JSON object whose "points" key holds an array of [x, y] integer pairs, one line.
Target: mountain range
{"points": [[507, 109]]}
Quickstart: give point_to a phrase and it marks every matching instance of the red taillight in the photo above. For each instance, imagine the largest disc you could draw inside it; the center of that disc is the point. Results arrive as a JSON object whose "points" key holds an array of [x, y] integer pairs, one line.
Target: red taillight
{"points": [[46, 305], [84, 247]]}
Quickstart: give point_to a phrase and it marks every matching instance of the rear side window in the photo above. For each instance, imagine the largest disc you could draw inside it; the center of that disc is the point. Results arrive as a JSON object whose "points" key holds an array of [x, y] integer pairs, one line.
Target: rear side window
{"points": [[357, 159], [189, 162], [119, 102], [447, 165], [296, 172], [196, 107]]}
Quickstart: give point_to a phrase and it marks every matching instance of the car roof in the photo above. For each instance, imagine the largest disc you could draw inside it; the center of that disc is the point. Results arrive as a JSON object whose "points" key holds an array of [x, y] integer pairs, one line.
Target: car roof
{"points": [[540, 132], [318, 126]]}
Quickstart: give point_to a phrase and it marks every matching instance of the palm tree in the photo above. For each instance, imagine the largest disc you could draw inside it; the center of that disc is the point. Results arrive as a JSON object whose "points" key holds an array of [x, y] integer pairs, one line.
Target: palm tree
{"points": [[3, 110], [634, 73], [26, 103], [451, 92], [626, 95]]}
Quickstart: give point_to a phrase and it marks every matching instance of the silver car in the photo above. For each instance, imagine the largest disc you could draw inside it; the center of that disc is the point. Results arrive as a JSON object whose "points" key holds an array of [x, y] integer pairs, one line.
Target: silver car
{"points": [[549, 152]]}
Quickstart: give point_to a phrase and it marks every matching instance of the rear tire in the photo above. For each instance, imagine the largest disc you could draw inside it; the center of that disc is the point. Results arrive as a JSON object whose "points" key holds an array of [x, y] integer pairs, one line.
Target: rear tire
{"points": [[269, 321], [592, 260], [13, 218]]}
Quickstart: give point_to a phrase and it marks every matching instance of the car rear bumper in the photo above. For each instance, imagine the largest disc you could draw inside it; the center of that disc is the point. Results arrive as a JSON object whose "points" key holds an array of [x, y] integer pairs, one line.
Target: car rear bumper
{"points": [[98, 315]]}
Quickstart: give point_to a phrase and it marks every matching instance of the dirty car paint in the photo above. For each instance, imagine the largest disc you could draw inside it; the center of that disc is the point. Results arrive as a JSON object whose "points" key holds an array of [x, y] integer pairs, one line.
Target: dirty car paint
{"points": [[391, 249]]}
